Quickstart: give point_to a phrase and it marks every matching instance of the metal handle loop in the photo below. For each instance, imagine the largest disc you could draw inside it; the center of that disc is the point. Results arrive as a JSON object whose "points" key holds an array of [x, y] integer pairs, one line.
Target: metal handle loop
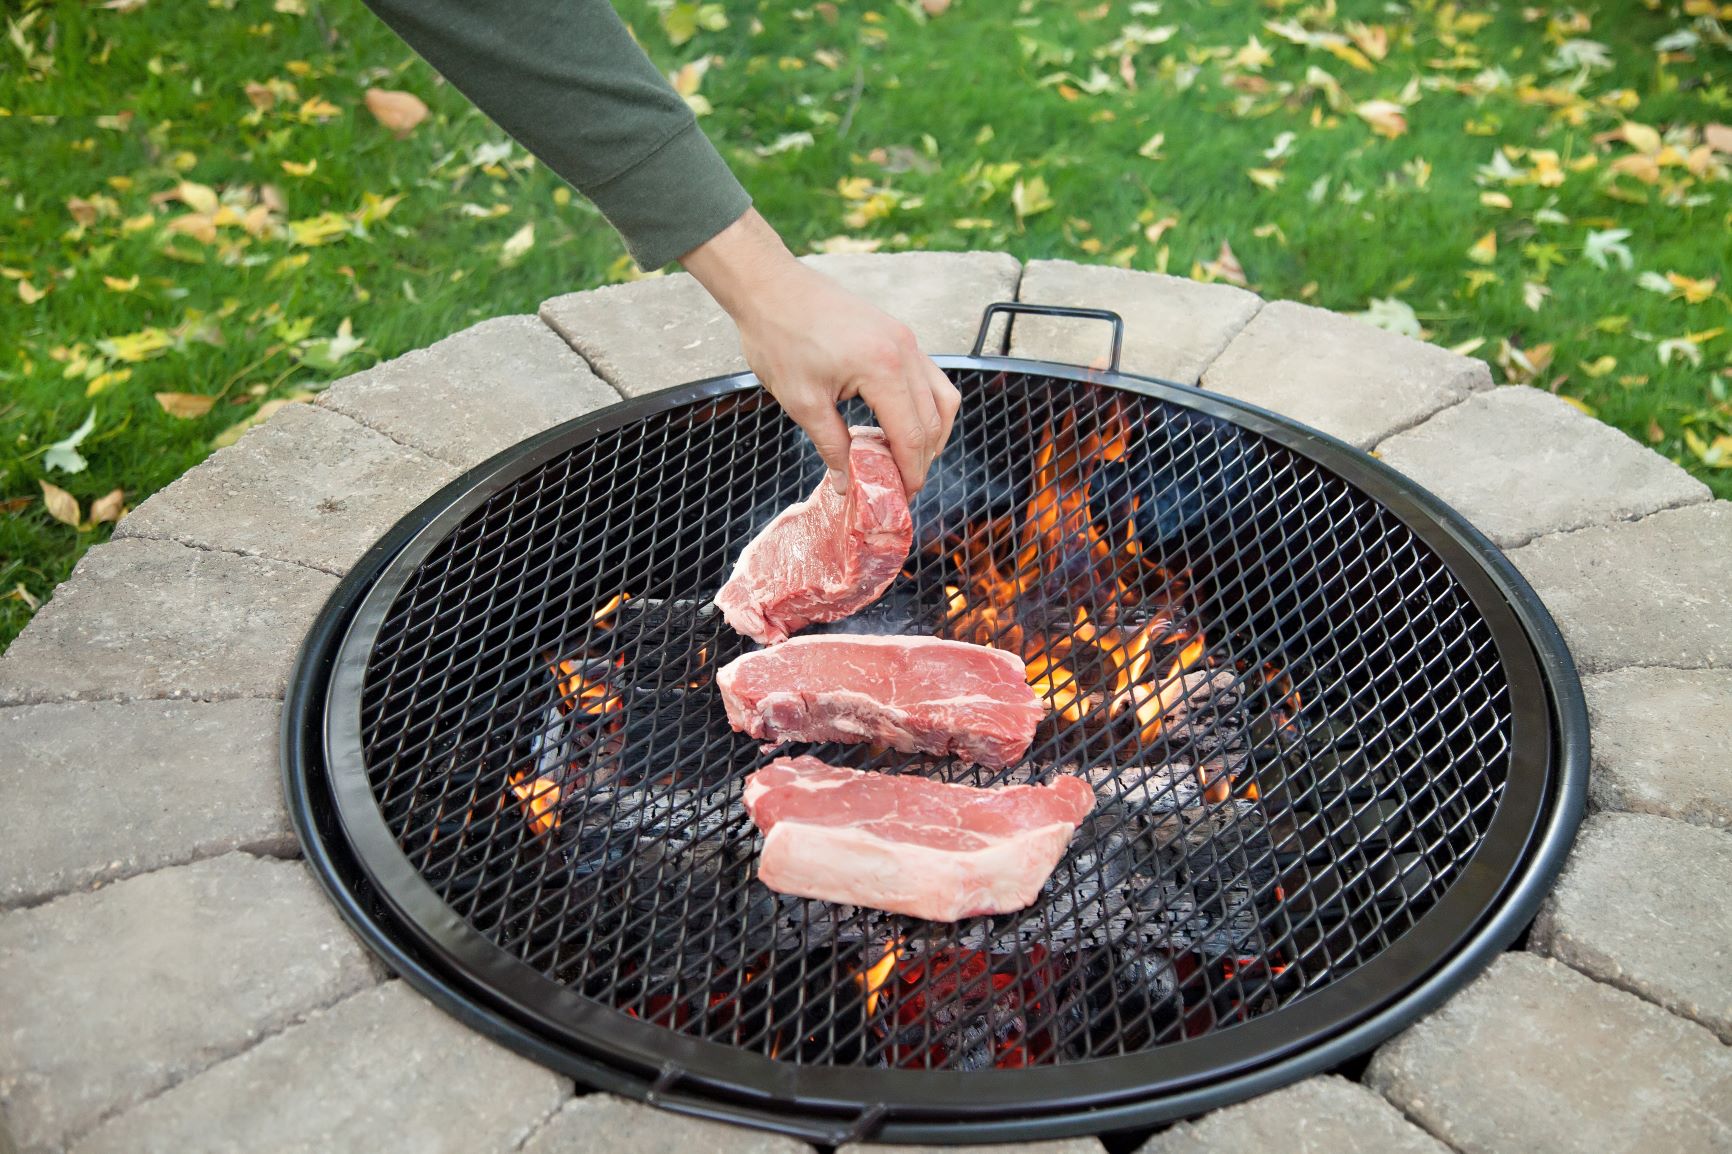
{"points": [[1107, 315]]}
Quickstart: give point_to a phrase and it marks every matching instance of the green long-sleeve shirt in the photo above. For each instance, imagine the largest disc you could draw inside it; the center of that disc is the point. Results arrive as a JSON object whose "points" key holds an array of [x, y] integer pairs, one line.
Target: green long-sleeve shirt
{"points": [[566, 79]]}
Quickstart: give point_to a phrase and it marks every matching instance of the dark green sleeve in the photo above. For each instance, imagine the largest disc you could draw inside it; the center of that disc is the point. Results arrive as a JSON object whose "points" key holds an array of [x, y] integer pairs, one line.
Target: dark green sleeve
{"points": [[566, 79]]}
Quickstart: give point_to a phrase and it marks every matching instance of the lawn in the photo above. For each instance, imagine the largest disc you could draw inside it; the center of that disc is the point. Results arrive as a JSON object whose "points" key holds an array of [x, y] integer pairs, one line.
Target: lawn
{"points": [[204, 219]]}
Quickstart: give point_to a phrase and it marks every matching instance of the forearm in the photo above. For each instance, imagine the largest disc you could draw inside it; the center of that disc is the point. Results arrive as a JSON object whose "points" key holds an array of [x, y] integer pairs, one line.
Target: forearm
{"points": [[567, 81], [739, 263]]}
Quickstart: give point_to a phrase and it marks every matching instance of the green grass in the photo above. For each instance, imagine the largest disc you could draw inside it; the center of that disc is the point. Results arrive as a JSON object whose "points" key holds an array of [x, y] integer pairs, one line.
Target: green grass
{"points": [[921, 132]]}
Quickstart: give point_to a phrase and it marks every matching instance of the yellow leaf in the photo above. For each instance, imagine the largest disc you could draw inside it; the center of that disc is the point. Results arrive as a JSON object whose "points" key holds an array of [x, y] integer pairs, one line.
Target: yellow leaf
{"points": [[29, 293], [1484, 250], [110, 507], [102, 381], [1158, 228], [1386, 117], [139, 346], [1495, 200], [1029, 197], [296, 168], [81, 210], [321, 229], [398, 111], [1151, 148], [854, 187], [318, 108], [1599, 366], [62, 506], [1640, 137], [1350, 54], [517, 245], [198, 197], [1265, 177], [1372, 39], [265, 412], [1693, 291], [1578, 403], [186, 406], [121, 286]]}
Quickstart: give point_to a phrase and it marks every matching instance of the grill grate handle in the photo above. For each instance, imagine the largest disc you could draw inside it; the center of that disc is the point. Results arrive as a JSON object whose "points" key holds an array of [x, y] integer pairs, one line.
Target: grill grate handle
{"points": [[1107, 315]]}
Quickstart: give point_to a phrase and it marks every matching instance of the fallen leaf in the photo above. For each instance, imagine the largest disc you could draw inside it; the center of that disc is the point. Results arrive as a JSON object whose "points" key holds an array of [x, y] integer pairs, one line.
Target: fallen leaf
{"points": [[1534, 295], [935, 7], [1716, 454], [64, 454], [321, 229], [108, 508], [1640, 137], [1718, 137], [1151, 148], [29, 293], [115, 284], [1608, 243], [1158, 228], [264, 413], [1577, 402], [1226, 267], [1484, 250], [81, 210], [261, 96], [517, 245], [1681, 347], [62, 506], [1269, 178], [1393, 315], [1386, 117], [1495, 200], [102, 381], [296, 168], [139, 346], [1693, 291], [787, 142], [1599, 366], [1029, 197], [186, 406], [399, 112]]}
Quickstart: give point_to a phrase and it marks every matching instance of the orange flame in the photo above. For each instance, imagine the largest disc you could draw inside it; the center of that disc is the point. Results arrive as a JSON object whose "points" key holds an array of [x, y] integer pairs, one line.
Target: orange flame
{"points": [[877, 974], [540, 800], [593, 695]]}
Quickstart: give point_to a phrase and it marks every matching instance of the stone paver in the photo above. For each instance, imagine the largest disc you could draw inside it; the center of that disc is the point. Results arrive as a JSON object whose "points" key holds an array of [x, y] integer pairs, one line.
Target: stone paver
{"points": [[309, 486], [1662, 743], [115, 995], [1174, 327], [1649, 592], [1059, 1146], [664, 331], [1341, 375], [603, 1124], [1326, 1115], [475, 392], [159, 619], [381, 1072], [99, 790], [1535, 1057], [1519, 462], [940, 295], [1643, 905]]}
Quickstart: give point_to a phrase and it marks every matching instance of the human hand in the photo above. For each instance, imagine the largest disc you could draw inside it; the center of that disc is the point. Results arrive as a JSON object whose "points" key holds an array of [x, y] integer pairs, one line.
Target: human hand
{"points": [[814, 344]]}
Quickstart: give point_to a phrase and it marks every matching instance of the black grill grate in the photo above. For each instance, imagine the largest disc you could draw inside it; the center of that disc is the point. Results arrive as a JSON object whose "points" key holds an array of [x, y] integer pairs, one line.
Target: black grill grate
{"points": [[555, 763]]}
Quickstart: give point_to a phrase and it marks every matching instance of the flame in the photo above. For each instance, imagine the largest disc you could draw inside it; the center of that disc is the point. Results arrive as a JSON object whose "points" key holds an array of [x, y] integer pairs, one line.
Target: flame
{"points": [[874, 977], [1059, 686], [540, 799], [600, 617], [591, 694]]}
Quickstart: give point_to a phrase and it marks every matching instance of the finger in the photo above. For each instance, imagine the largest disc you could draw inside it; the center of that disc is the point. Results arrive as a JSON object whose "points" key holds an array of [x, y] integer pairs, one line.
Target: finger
{"points": [[948, 398], [828, 431], [916, 367], [892, 402]]}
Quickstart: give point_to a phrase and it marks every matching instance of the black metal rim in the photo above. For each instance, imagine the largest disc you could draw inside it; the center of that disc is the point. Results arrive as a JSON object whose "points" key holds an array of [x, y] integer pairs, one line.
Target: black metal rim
{"points": [[398, 914]]}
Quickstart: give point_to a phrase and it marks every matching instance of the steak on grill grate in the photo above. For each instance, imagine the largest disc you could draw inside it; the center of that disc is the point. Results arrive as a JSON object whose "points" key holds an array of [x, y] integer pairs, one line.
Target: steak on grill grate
{"points": [[825, 557], [909, 844], [915, 694]]}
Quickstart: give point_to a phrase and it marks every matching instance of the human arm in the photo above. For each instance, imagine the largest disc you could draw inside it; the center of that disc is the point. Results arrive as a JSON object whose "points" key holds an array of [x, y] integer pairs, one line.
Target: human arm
{"points": [[566, 79]]}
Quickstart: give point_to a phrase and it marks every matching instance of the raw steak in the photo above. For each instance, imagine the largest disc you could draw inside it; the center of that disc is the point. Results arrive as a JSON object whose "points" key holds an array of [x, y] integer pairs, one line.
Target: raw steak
{"points": [[827, 556], [909, 845], [917, 694]]}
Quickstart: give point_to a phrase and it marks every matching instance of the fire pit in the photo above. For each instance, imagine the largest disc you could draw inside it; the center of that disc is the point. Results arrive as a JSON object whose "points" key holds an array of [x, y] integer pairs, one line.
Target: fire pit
{"points": [[1336, 742]]}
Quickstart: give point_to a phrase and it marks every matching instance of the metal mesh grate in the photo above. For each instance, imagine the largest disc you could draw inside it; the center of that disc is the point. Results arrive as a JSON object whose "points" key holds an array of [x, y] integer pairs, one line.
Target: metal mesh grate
{"points": [[1293, 715]]}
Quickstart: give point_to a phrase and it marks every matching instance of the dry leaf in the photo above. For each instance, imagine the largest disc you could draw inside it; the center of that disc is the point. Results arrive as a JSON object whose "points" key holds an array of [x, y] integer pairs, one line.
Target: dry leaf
{"points": [[62, 506], [108, 508], [186, 406], [1484, 250], [935, 7], [398, 111], [29, 293], [82, 210], [1718, 137], [1226, 267], [1386, 117]]}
